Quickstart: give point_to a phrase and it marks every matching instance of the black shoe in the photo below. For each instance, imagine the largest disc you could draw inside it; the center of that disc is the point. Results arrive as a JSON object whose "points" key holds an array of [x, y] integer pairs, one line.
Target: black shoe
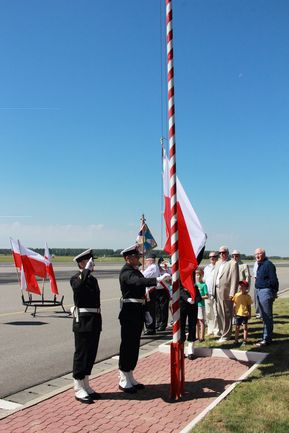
{"points": [[162, 328], [139, 386], [149, 332], [131, 390], [85, 400], [95, 396], [191, 357]]}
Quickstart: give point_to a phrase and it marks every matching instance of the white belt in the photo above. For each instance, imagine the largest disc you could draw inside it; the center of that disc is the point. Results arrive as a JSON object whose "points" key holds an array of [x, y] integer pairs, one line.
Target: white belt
{"points": [[89, 310], [75, 311], [138, 301]]}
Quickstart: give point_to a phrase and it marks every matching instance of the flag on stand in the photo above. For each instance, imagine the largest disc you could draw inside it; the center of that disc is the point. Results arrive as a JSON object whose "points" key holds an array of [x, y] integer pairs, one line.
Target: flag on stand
{"points": [[192, 238], [145, 239], [50, 271], [37, 261], [32, 285], [18, 263]]}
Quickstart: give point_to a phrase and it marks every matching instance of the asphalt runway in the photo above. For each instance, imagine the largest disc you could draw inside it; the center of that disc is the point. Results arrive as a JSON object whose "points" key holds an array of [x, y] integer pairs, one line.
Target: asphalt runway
{"points": [[35, 350]]}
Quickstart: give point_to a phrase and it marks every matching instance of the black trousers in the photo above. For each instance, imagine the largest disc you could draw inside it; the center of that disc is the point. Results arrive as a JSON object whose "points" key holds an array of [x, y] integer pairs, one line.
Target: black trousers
{"points": [[86, 345], [151, 308], [162, 307], [189, 311], [131, 329]]}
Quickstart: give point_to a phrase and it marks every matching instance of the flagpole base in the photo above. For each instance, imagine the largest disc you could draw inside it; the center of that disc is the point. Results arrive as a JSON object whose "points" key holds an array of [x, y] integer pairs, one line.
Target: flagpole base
{"points": [[177, 370]]}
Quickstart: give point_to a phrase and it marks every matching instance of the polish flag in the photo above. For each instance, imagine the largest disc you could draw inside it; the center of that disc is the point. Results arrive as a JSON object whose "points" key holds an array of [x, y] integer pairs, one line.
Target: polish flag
{"points": [[192, 238], [37, 261], [18, 263], [16, 254], [50, 271], [30, 280]]}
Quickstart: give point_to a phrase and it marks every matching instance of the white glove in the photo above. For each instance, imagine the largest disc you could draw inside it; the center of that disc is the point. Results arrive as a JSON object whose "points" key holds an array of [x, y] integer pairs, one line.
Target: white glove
{"points": [[163, 277], [90, 264], [190, 301]]}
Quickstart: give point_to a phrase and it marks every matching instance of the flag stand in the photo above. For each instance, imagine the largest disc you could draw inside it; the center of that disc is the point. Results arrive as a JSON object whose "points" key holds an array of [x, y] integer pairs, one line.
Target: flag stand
{"points": [[29, 301]]}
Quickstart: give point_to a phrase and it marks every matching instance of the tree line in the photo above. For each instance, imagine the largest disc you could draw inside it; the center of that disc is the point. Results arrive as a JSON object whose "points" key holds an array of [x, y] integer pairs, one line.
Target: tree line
{"points": [[107, 252]]}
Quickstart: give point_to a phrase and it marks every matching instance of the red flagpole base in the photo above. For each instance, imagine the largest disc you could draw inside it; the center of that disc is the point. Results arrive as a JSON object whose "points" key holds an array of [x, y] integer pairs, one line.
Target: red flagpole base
{"points": [[177, 370]]}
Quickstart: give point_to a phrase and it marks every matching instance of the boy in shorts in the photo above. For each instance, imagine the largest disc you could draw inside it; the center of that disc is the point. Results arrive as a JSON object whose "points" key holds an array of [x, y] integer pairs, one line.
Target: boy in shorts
{"points": [[203, 289], [242, 310]]}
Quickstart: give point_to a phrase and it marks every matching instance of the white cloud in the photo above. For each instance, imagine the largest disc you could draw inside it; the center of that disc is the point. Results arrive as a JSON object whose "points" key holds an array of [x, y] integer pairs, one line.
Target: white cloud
{"points": [[66, 235]]}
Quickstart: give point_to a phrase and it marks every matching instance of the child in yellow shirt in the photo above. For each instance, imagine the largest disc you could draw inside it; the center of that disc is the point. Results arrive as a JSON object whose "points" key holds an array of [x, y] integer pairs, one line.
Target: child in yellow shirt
{"points": [[242, 310]]}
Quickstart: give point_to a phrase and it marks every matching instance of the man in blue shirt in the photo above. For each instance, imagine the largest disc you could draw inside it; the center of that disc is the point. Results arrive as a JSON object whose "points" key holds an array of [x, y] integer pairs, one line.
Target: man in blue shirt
{"points": [[266, 284]]}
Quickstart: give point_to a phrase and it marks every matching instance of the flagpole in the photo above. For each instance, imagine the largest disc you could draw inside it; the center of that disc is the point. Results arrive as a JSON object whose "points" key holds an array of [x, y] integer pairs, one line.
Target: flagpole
{"points": [[141, 226], [177, 349]]}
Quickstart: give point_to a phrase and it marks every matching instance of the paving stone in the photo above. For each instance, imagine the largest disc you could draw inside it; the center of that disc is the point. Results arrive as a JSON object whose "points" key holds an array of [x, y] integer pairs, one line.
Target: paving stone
{"points": [[150, 410]]}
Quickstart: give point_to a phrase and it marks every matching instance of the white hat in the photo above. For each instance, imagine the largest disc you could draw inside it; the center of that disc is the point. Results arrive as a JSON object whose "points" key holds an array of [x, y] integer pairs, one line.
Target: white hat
{"points": [[85, 255], [133, 249], [235, 252]]}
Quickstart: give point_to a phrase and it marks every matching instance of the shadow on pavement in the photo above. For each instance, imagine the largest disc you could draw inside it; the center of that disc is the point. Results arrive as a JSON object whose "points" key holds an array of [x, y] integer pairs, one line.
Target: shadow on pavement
{"points": [[204, 388], [22, 323]]}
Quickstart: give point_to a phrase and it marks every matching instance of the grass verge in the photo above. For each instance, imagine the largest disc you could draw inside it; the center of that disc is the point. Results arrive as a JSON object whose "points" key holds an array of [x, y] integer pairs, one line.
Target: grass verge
{"points": [[260, 404]]}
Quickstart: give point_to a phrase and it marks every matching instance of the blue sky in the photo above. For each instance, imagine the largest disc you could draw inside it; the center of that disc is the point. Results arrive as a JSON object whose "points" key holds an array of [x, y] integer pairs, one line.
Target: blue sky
{"points": [[83, 107]]}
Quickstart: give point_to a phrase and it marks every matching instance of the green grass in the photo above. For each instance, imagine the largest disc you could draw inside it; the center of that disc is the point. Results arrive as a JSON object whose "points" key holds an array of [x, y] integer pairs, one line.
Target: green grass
{"points": [[260, 404]]}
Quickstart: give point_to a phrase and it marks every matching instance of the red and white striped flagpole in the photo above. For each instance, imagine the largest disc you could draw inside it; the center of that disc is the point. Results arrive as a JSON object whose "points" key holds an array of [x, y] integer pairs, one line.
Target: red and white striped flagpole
{"points": [[177, 347]]}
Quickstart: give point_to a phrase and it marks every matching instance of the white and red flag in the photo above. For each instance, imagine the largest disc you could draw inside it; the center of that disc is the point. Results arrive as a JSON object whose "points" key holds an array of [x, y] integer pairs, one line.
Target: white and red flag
{"points": [[18, 263], [50, 271], [192, 238], [22, 261], [38, 262]]}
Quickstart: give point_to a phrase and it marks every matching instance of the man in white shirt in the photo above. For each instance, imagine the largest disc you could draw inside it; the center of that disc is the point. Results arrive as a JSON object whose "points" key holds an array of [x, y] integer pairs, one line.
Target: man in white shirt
{"points": [[210, 303], [151, 271]]}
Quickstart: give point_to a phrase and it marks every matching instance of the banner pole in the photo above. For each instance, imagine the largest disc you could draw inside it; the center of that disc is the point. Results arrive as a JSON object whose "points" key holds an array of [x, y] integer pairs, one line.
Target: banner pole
{"points": [[177, 350]]}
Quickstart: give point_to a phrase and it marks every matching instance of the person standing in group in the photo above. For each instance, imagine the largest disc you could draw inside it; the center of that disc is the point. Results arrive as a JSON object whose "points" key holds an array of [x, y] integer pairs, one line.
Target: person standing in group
{"points": [[201, 304], [267, 286], [257, 308], [225, 285], [87, 325], [210, 303], [151, 271], [133, 288], [189, 310], [244, 271], [162, 298], [242, 302]]}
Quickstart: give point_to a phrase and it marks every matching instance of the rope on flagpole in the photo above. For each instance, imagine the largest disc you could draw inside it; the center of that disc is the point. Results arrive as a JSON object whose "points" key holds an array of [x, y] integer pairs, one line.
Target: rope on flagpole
{"points": [[177, 353]]}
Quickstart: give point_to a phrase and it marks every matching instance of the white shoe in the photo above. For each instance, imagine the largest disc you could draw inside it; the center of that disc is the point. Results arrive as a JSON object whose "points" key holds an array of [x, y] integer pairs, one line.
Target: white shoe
{"points": [[125, 382], [90, 391], [134, 382], [80, 393], [222, 340]]}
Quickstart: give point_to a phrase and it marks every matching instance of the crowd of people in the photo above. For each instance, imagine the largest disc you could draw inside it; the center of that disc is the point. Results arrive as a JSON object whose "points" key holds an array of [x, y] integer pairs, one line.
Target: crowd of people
{"points": [[221, 298]]}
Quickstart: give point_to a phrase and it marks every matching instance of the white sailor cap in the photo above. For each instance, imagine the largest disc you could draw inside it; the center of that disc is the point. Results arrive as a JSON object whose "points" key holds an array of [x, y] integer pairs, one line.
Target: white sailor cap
{"points": [[130, 251], [85, 255]]}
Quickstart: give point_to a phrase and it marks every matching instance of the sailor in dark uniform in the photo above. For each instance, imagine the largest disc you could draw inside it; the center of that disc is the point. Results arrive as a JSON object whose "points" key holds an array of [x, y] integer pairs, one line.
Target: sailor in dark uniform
{"points": [[133, 287], [86, 325]]}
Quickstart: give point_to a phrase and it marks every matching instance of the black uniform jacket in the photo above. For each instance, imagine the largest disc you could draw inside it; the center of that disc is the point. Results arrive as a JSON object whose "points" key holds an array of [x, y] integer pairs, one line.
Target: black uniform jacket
{"points": [[86, 294], [133, 285]]}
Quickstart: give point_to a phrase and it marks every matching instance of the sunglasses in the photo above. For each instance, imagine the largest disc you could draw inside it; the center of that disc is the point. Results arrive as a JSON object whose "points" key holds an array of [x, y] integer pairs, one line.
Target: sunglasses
{"points": [[213, 257], [223, 252]]}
